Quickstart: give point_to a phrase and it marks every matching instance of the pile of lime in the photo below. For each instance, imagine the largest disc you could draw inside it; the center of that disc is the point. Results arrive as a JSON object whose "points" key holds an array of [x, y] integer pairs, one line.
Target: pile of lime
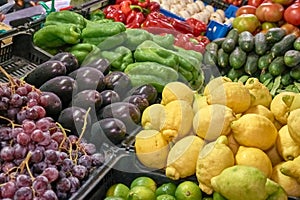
{"points": [[145, 188]]}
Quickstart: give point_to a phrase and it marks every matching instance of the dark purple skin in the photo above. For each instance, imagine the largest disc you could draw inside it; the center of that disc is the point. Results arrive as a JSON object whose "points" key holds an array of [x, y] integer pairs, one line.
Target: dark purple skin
{"points": [[88, 78], [53, 105], [88, 98], [109, 96], [148, 91], [140, 101], [101, 64], [45, 72], [72, 118], [68, 59], [62, 86], [119, 82], [109, 128]]}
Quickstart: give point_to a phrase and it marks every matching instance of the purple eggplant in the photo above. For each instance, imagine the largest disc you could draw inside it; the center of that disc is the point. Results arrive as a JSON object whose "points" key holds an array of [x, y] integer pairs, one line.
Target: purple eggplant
{"points": [[140, 101], [45, 72], [88, 99], [101, 64], [109, 97], [128, 113], [68, 59], [62, 86], [148, 91], [88, 78], [73, 118], [108, 130], [119, 82]]}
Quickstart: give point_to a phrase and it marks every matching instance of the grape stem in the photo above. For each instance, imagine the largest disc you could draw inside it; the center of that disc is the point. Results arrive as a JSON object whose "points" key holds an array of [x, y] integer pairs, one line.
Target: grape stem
{"points": [[10, 121], [10, 78]]}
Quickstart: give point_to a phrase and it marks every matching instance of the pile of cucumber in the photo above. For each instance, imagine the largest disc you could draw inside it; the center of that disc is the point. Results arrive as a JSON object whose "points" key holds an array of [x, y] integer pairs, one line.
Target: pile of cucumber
{"points": [[272, 57]]}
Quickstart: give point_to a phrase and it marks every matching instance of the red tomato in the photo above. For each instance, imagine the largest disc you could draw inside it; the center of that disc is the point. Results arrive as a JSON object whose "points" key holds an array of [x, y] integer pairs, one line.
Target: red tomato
{"points": [[255, 3], [292, 14], [247, 9], [269, 12]]}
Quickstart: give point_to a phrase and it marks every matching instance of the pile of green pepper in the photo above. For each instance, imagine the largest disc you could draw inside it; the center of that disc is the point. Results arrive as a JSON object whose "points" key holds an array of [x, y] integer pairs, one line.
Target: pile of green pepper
{"points": [[145, 57]]}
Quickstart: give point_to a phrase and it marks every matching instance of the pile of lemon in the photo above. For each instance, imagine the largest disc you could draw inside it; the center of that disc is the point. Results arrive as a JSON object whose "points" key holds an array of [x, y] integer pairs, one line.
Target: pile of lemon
{"points": [[229, 124]]}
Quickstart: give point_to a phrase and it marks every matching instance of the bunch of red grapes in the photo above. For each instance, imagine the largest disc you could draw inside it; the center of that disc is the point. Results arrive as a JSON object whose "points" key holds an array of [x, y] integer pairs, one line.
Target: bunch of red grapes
{"points": [[39, 160]]}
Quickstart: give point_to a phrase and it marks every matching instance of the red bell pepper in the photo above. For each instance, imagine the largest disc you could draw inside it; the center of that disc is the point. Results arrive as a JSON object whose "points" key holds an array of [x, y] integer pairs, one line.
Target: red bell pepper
{"points": [[189, 42], [157, 15], [111, 8], [116, 15], [143, 3], [199, 27], [134, 17], [181, 26], [133, 25], [125, 7], [154, 6]]}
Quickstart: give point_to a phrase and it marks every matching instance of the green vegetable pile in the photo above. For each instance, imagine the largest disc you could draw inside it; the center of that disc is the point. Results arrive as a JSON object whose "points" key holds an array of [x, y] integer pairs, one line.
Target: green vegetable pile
{"points": [[145, 57], [273, 58]]}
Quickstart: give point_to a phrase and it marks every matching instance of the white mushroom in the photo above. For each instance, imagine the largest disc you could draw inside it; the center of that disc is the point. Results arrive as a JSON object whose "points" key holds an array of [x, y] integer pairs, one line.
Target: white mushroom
{"points": [[221, 13], [209, 8], [216, 17], [184, 14], [200, 5]]}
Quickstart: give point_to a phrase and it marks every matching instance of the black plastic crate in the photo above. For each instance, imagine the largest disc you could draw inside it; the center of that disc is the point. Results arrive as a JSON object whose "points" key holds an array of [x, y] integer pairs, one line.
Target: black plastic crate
{"points": [[20, 56], [220, 4]]}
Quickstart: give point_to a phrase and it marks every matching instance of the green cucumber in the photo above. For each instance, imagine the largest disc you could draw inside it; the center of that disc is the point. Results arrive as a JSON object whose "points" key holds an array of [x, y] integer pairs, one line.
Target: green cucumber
{"points": [[265, 77], [277, 66], [292, 58], [210, 58], [233, 34], [285, 44], [223, 58], [286, 79], [274, 35], [251, 64], [237, 58], [264, 61], [297, 44], [261, 45], [295, 73], [212, 47], [235, 74], [219, 41], [228, 45], [246, 41]]}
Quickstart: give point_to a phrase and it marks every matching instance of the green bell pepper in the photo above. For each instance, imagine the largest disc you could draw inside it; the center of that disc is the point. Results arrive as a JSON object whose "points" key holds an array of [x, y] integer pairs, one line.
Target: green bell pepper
{"points": [[65, 17], [98, 33], [82, 50], [150, 51], [119, 58], [153, 73], [135, 37], [166, 41], [96, 15], [53, 36]]}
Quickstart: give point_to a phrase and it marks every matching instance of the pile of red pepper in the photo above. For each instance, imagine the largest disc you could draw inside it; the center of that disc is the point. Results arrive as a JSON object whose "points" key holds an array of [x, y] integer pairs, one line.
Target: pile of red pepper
{"points": [[190, 42], [146, 14]]}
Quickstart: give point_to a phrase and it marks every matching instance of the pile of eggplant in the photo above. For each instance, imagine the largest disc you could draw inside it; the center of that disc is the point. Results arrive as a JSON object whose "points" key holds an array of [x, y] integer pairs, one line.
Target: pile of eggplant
{"points": [[91, 98]]}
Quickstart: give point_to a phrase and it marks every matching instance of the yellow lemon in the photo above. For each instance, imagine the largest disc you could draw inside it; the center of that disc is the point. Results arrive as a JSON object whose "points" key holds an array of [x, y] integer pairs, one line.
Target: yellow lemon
{"points": [[274, 156], [286, 146], [261, 110], [293, 123], [183, 156], [289, 184], [151, 148], [178, 120], [232, 143], [212, 121], [199, 102], [254, 157], [282, 104], [213, 159], [214, 83], [260, 93], [177, 91], [232, 94], [153, 116], [253, 130], [291, 168]]}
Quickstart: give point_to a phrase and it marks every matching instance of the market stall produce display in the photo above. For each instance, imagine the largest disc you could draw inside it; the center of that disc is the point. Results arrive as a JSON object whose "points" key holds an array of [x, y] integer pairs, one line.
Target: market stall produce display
{"points": [[139, 105]]}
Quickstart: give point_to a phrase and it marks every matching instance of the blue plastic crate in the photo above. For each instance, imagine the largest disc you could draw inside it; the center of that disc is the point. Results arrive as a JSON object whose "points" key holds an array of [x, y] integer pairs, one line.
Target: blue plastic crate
{"points": [[217, 30], [170, 14]]}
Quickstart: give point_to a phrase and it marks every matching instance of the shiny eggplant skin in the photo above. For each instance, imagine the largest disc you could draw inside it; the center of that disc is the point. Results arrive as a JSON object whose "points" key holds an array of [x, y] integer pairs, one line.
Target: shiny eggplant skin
{"points": [[68, 59], [88, 99], [73, 118], [101, 64], [45, 72], [148, 91], [119, 82], [140, 101], [52, 104], [128, 113], [62, 86], [109, 97], [108, 130], [88, 78]]}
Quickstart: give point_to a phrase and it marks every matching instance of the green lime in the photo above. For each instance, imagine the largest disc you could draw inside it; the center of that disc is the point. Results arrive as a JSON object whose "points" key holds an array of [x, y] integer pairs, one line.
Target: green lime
{"points": [[165, 197], [207, 198], [114, 198], [141, 192], [166, 188], [144, 181], [188, 190], [118, 190], [218, 196]]}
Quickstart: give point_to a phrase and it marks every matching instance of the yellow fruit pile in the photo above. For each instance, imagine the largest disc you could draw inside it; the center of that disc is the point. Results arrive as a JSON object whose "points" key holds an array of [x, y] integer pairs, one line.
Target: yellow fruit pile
{"points": [[229, 124]]}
